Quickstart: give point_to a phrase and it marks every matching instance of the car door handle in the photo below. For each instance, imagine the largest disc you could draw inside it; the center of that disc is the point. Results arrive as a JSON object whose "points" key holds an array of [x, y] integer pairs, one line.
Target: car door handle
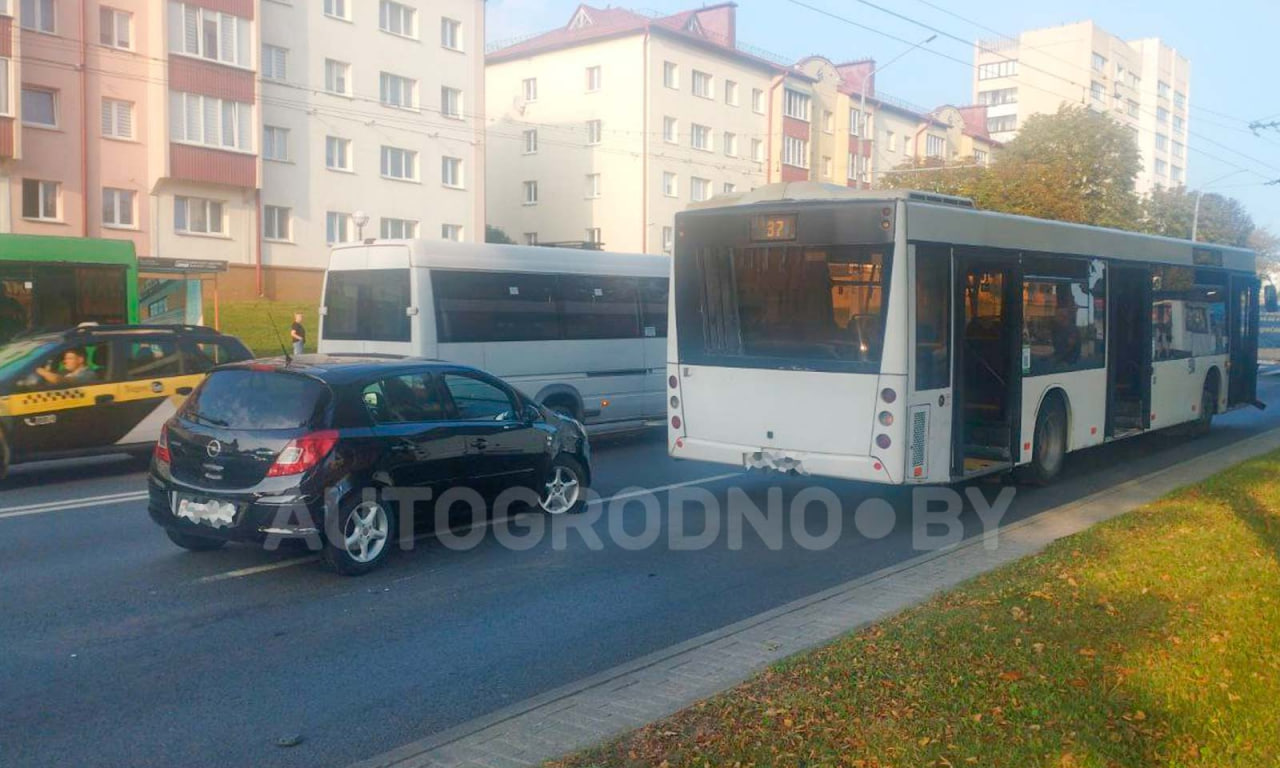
{"points": [[103, 399], [183, 390], [480, 443]]}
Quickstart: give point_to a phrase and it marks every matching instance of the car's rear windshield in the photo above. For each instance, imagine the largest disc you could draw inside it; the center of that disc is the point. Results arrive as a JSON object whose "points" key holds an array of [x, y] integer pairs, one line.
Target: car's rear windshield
{"points": [[251, 399]]}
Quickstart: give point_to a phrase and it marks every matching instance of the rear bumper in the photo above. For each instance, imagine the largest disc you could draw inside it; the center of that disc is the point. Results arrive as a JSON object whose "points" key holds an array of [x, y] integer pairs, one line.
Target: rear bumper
{"points": [[257, 516], [865, 468]]}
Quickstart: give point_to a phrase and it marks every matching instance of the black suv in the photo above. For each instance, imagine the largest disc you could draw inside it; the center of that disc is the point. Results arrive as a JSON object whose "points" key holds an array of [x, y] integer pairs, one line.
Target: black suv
{"points": [[100, 389], [308, 448]]}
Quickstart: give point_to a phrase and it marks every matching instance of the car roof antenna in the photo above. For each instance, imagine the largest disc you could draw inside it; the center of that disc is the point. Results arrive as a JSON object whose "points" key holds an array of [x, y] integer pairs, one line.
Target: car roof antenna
{"points": [[288, 358]]}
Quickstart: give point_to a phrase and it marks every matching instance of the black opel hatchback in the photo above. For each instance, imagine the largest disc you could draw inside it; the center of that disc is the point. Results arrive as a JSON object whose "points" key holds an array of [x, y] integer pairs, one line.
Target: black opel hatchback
{"points": [[291, 449]]}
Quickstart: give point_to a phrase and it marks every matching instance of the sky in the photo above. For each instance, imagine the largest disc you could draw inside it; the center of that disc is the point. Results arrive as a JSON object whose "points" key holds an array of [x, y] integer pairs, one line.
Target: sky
{"points": [[1229, 42]]}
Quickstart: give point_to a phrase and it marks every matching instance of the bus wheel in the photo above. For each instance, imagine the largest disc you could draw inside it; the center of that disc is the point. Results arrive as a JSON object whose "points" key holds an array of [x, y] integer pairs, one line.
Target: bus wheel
{"points": [[1208, 404], [1049, 445]]}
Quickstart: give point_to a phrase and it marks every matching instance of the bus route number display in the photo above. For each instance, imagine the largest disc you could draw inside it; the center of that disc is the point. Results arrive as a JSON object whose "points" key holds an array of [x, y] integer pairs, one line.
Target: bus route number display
{"points": [[773, 227]]}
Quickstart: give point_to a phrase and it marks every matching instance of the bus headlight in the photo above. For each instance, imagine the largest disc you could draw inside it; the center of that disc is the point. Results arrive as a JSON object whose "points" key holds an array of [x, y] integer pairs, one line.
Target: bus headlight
{"points": [[883, 441], [886, 418]]}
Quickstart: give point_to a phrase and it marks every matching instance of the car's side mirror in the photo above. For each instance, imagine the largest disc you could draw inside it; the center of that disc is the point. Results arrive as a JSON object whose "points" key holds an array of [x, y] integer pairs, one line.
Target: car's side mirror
{"points": [[532, 413]]}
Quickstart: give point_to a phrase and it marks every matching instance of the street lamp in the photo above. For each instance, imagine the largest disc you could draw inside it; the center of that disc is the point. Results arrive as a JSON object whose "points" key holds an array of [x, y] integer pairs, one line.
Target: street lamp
{"points": [[1195, 217], [360, 218], [862, 99]]}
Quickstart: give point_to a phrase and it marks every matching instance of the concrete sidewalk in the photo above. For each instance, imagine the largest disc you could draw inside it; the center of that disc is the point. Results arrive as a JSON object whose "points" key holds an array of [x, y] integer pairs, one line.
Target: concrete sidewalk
{"points": [[605, 705]]}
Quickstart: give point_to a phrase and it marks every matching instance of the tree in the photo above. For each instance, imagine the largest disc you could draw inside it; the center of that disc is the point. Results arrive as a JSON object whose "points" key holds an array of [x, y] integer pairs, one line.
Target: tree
{"points": [[1266, 244], [498, 235], [1171, 212], [1075, 165]]}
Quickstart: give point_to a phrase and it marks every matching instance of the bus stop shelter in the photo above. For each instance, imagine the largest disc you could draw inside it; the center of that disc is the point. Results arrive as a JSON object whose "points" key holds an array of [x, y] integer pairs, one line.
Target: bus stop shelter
{"points": [[171, 291]]}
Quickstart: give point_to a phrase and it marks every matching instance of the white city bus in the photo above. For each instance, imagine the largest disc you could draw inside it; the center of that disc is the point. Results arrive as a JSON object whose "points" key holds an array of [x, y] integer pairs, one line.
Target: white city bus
{"points": [[583, 332], [902, 337]]}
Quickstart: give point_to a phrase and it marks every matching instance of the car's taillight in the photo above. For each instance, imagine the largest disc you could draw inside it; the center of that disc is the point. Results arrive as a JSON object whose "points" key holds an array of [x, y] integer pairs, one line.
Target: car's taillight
{"points": [[162, 446], [303, 453]]}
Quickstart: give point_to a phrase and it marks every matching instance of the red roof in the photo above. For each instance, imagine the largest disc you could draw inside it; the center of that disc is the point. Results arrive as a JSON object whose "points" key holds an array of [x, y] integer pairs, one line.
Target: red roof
{"points": [[975, 121]]}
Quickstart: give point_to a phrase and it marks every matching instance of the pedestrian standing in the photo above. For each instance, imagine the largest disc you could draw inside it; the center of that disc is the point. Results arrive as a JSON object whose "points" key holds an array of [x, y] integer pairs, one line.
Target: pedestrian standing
{"points": [[298, 334]]}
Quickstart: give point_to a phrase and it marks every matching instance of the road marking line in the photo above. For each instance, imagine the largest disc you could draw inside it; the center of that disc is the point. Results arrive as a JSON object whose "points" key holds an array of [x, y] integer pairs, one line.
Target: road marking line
{"points": [[242, 572], [664, 488], [58, 506]]}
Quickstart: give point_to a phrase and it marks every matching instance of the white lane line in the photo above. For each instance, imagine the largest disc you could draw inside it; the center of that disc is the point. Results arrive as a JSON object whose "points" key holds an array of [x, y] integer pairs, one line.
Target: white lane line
{"points": [[242, 572], [58, 506]]}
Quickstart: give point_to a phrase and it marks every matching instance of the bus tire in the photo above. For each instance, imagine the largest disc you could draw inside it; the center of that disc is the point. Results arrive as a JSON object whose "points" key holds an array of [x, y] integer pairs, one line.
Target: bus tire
{"points": [[1208, 406], [1049, 443]]}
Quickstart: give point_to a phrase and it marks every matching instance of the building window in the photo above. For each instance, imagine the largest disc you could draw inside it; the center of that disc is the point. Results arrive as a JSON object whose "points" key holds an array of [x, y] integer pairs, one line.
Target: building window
{"points": [[935, 146], [757, 101], [980, 156], [670, 74], [1179, 99], [700, 189], [337, 227], [451, 102], [1006, 68], [828, 121], [1162, 89], [117, 208], [115, 28], [593, 185], [451, 172], [530, 86], [531, 193], [40, 199], [397, 91], [1098, 91], [998, 96], [337, 9], [451, 232], [40, 107], [39, 16], [670, 184], [1162, 115], [221, 37], [796, 104], [1131, 107], [1162, 142], [398, 19], [856, 123], [1179, 125], [198, 216], [731, 144], [731, 93], [700, 137], [4, 87], [795, 152], [670, 130], [397, 229], [1179, 150], [668, 239], [1099, 63], [531, 141], [891, 141], [594, 237], [276, 223], [451, 34], [730, 188], [275, 63], [399, 164], [595, 131], [337, 77], [218, 123], [828, 168], [1176, 174], [275, 143], [337, 153], [702, 87], [757, 150], [530, 238], [593, 79], [1162, 168], [1002, 124], [117, 119]]}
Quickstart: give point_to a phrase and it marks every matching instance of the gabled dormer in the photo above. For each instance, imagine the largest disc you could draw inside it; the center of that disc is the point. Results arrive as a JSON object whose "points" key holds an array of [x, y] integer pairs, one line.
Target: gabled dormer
{"points": [[581, 18]]}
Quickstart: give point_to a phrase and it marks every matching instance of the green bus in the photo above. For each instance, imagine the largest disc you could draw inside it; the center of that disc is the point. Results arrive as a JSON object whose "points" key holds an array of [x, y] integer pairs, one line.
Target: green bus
{"points": [[54, 283]]}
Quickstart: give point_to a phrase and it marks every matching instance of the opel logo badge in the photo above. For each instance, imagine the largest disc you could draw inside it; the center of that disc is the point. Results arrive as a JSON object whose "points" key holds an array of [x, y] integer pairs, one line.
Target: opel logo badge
{"points": [[214, 448]]}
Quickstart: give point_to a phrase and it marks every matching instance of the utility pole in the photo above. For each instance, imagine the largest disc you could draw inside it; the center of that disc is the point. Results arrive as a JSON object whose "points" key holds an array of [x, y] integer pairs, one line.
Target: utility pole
{"points": [[862, 104]]}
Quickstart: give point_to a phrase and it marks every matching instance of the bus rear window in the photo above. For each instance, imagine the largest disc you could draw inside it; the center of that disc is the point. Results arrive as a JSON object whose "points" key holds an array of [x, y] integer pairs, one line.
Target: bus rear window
{"points": [[367, 305], [812, 307]]}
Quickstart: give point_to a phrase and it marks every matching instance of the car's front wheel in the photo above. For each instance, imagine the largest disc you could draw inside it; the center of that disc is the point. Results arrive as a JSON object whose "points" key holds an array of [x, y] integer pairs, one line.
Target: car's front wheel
{"points": [[565, 488], [362, 537], [193, 542]]}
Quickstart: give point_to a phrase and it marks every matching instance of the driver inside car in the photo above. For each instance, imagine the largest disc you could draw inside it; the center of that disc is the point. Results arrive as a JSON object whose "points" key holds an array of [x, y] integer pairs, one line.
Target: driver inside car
{"points": [[75, 370]]}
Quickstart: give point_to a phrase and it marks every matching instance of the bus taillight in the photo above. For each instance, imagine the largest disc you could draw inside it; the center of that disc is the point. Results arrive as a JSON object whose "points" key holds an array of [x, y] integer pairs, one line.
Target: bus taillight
{"points": [[886, 418], [675, 422], [673, 381], [888, 395], [883, 442]]}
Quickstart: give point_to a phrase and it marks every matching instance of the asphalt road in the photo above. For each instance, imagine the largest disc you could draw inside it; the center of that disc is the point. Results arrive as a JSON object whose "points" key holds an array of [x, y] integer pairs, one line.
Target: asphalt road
{"points": [[117, 648]]}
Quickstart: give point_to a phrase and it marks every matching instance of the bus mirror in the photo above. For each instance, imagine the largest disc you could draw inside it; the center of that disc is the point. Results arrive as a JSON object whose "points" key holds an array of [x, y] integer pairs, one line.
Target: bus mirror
{"points": [[411, 311]]}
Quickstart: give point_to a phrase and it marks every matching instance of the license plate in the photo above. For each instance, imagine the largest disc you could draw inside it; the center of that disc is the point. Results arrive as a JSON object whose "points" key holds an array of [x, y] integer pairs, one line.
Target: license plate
{"points": [[214, 513]]}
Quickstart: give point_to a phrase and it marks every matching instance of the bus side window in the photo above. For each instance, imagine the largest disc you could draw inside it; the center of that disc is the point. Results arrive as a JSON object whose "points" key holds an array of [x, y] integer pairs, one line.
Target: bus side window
{"points": [[933, 317]]}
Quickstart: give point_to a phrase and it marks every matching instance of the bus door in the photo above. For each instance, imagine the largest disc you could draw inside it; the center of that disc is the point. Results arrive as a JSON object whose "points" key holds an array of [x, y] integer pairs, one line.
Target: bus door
{"points": [[1129, 369], [986, 413], [1242, 341]]}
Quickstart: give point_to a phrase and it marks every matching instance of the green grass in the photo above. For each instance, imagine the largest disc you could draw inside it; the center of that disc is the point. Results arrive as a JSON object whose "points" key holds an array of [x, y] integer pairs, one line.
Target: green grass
{"points": [[1153, 639], [251, 322]]}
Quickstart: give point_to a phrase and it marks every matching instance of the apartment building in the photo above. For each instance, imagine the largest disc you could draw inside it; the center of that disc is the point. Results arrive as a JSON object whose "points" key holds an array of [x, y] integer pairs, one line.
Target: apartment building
{"points": [[372, 123], [245, 131], [1144, 84]]}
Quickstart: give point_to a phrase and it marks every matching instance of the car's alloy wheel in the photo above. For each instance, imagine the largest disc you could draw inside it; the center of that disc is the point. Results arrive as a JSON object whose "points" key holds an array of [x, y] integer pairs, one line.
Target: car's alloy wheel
{"points": [[563, 489], [366, 531]]}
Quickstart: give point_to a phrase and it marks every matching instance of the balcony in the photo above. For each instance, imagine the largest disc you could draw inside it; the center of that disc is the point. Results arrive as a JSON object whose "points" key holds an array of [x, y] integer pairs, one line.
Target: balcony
{"points": [[212, 166]]}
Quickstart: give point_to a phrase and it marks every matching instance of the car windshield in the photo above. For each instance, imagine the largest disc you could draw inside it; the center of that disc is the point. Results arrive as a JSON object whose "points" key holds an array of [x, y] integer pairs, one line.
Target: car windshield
{"points": [[252, 399], [18, 355]]}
